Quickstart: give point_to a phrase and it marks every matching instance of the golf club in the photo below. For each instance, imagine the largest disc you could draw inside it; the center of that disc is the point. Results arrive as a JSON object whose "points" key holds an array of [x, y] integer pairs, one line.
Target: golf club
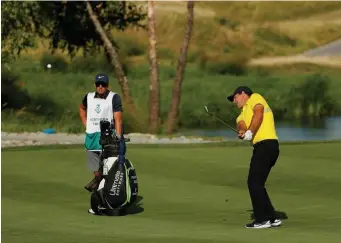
{"points": [[220, 120]]}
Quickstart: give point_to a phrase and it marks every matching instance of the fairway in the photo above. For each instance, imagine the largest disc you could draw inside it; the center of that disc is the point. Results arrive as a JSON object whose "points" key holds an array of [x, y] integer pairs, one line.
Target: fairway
{"points": [[192, 193]]}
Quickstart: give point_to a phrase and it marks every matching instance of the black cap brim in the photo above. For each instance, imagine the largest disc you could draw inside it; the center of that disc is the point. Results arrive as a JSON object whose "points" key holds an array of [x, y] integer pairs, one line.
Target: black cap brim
{"points": [[230, 98]]}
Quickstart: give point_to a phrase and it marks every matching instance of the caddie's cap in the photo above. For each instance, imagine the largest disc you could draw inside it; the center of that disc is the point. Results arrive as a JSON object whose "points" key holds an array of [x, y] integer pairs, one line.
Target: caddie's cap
{"points": [[102, 78]]}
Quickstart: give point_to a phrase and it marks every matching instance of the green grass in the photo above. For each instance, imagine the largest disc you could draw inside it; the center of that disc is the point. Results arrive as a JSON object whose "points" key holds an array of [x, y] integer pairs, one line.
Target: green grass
{"points": [[189, 194], [59, 109]]}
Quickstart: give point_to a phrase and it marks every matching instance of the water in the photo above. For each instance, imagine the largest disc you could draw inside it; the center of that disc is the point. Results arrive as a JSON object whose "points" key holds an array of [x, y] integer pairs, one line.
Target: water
{"points": [[326, 129]]}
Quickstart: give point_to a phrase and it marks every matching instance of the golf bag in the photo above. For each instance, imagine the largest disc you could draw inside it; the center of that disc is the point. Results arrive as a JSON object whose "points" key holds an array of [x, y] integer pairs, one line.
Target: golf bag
{"points": [[118, 187]]}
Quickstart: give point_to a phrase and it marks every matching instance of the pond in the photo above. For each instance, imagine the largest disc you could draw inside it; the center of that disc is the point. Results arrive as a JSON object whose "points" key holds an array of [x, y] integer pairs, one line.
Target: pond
{"points": [[326, 129]]}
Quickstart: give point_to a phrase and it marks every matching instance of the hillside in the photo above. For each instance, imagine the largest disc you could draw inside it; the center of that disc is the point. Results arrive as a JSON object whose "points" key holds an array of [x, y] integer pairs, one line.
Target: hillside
{"points": [[254, 28], [226, 37], [226, 29]]}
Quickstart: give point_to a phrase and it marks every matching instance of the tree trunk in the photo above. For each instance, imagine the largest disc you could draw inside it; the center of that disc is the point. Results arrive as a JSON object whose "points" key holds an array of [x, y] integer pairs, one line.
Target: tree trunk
{"points": [[154, 92], [122, 79], [176, 93]]}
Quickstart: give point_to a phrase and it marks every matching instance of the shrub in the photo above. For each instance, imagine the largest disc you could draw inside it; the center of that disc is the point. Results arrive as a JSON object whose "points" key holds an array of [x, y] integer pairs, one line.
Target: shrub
{"points": [[311, 98], [90, 64], [228, 64], [165, 53], [193, 56], [98, 63], [228, 23], [273, 35], [13, 95], [130, 46], [59, 63]]}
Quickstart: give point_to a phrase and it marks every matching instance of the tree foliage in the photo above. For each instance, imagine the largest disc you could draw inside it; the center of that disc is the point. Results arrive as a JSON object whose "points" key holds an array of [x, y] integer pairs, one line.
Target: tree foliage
{"points": [[20, 25], [73, 29], [66, 24]]}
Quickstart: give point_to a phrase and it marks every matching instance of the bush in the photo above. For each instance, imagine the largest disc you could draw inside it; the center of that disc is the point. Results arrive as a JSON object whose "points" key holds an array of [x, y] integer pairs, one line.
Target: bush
{"points": [[202, 60], [193, 56], [59, 63], [99, 63], [165, 53], [228, 23], [90, 64], [167, 72], [273, 35], [227, 64], [13, 95], [311, 98], [130, 47]]}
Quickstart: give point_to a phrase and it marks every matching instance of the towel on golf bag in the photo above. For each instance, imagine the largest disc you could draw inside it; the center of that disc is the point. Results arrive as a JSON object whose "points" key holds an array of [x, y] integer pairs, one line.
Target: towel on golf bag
{"points": [[118, 188]]}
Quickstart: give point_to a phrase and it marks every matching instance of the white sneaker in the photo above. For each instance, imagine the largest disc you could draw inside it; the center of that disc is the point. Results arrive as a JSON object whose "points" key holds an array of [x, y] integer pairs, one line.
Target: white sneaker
{"points": [[255, 225], [275, 222], [91, 211]]}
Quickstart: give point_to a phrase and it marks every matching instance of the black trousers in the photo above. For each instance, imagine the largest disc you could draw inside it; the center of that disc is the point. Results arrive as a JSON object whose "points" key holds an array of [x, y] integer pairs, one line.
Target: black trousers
{"points": [[264, 157]]}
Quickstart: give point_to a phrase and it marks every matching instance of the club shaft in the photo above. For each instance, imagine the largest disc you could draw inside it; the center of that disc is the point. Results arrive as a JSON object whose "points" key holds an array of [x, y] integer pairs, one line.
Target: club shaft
{"points": [[225, 124], [233, 129]]}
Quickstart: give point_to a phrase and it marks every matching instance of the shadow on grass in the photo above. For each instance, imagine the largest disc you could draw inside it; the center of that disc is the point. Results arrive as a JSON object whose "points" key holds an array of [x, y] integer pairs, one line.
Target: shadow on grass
{"points": [[15, 96], [136, 207]]}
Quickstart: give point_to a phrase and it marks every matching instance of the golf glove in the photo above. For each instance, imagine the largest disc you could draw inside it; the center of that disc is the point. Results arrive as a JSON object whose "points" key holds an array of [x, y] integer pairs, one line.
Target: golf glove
{"points": [[248, 135]]}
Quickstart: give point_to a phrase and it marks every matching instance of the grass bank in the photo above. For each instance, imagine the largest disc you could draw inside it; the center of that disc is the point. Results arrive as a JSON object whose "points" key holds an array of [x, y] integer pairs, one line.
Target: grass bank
{"points": [[229, 28], [38, 98], [204, 201]]}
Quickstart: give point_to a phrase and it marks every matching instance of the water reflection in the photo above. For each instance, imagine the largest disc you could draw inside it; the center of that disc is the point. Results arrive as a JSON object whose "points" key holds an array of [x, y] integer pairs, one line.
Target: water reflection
{"points": [[326, 129]]}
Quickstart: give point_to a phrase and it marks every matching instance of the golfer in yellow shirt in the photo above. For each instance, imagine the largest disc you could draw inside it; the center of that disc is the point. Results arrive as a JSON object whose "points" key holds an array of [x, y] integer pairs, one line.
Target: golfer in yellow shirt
{"points": [[256, 124]]}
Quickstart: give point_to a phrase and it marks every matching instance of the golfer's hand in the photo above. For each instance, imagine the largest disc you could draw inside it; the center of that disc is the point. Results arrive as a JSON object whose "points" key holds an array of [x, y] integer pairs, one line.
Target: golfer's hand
{"points": [[241, 134], [248, 135]]}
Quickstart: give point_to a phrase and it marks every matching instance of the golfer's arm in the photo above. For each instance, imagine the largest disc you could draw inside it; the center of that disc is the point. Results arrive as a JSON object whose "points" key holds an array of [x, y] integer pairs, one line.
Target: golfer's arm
{"points": [[241, 126], [118, 122], [82, 114], [257, 118]]}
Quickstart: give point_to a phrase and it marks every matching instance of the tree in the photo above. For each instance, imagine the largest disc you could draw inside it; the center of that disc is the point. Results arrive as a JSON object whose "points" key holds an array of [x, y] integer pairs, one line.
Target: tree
{"points": [[154, 92], [176, 93], [69, 25], [19, 27], [122, 79]]}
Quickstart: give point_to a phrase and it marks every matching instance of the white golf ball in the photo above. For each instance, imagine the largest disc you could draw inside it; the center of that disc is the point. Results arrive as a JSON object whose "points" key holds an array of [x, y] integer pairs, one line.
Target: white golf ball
{"points": [[49, 65]]}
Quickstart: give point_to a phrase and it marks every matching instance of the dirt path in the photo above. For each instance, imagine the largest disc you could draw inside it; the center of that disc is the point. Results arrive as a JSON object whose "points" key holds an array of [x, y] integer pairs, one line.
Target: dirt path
{"points": [[269, 61], [329, 55]]}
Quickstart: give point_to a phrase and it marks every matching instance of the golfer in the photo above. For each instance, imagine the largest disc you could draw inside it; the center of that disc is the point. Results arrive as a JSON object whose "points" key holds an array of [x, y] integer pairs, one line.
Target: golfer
{"points": [[96, 106], [256, 124]]}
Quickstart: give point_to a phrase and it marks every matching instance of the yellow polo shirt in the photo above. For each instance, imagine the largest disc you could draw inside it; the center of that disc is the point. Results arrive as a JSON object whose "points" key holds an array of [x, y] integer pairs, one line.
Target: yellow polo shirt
{"points": [[267, 129]]}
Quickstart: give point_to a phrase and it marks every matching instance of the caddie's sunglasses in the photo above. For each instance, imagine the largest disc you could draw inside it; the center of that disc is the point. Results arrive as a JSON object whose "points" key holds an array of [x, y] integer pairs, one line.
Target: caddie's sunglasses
{"points": [[104, 85]]}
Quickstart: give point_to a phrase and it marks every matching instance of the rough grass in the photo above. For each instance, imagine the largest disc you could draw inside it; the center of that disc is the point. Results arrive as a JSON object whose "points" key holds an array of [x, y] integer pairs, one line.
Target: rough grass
{"points": [[187, 194], [269, 11], [55, 96], [233, 27]]}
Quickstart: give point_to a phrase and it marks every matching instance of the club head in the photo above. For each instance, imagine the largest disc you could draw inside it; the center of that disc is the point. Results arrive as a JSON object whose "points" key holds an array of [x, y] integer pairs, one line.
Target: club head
{"points": [[206, 108]]}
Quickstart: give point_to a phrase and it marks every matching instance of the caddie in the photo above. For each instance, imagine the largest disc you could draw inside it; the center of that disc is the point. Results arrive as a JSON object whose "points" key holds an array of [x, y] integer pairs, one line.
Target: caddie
{"points": [[102, 104]]}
